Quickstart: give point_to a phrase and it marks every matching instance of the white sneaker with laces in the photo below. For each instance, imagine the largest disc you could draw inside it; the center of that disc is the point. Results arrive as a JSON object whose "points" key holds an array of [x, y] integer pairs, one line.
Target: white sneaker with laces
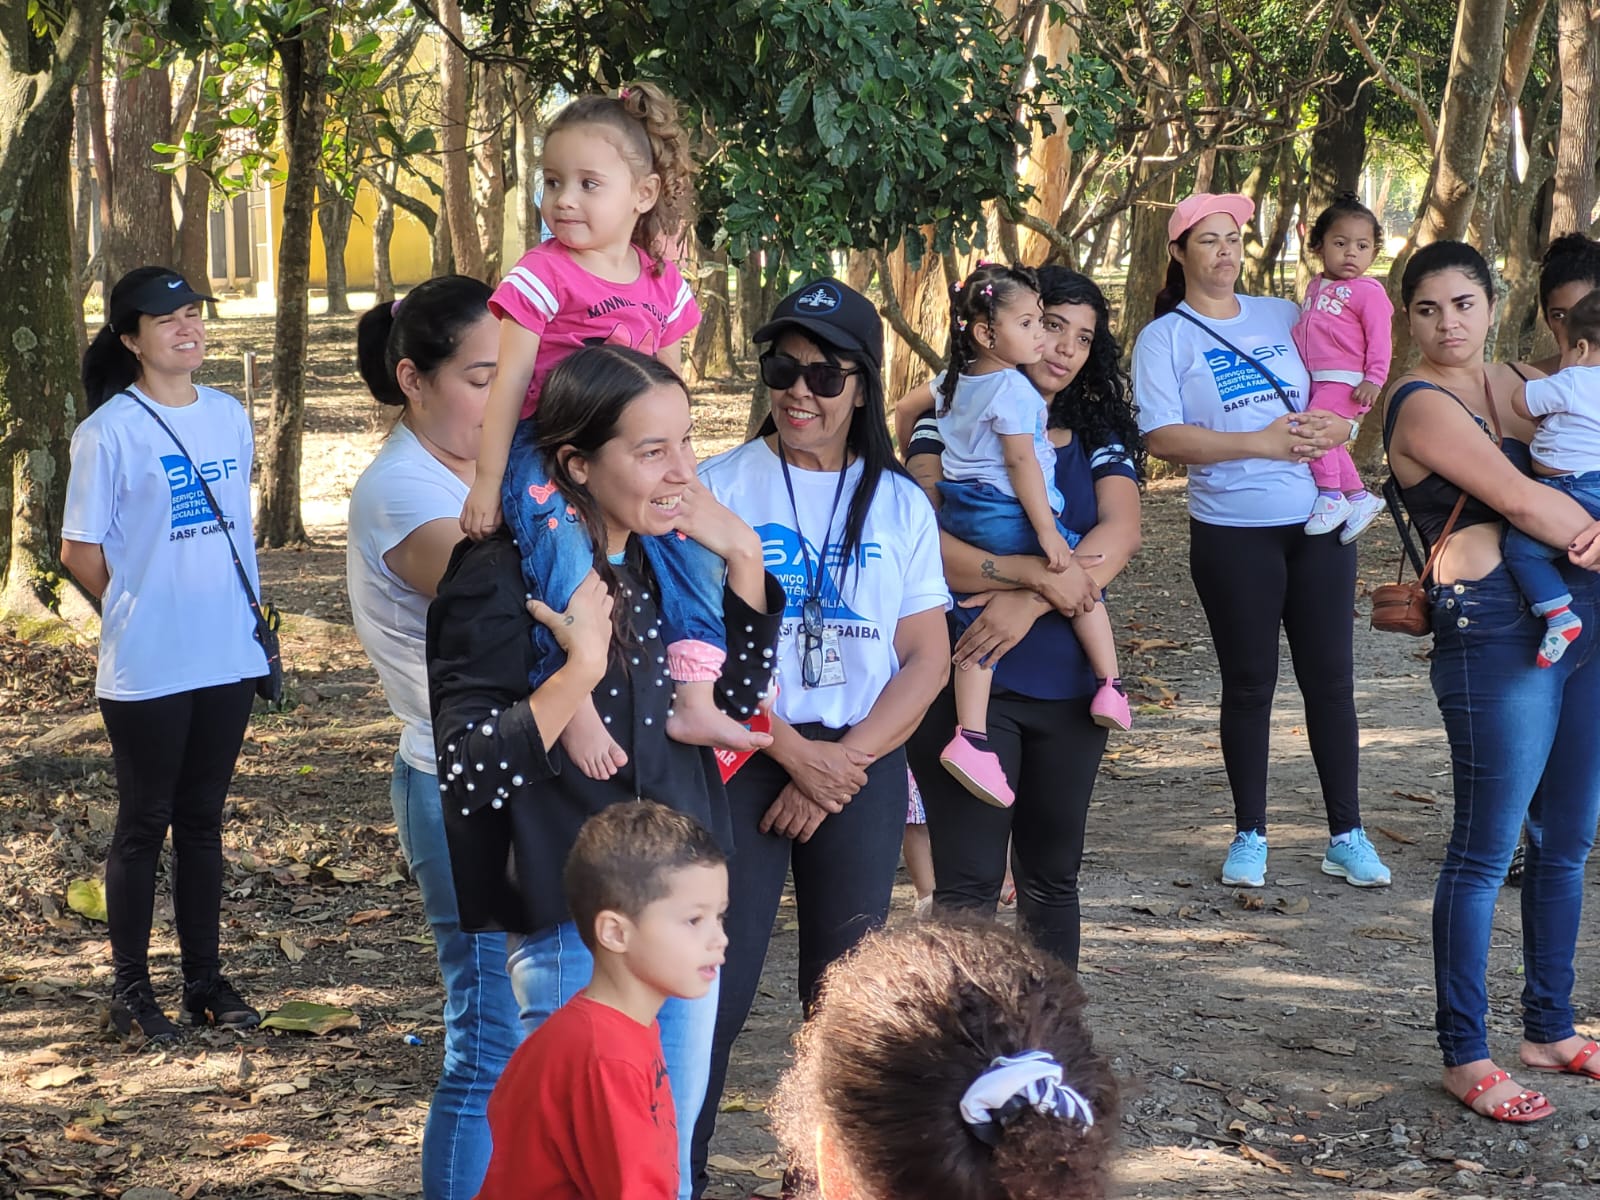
{"points": [[1362, 514], [1328, 513]]}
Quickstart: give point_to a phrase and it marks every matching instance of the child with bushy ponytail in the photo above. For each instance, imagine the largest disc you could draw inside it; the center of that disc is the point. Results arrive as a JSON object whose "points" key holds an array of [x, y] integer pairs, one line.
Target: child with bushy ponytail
{"points": [[617, 187]]}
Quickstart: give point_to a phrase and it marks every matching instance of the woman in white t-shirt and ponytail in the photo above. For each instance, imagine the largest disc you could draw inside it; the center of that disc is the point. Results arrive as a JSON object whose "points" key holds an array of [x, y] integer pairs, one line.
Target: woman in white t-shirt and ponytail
{"points": [[432, 356], [178, 658], [1221, 388]]}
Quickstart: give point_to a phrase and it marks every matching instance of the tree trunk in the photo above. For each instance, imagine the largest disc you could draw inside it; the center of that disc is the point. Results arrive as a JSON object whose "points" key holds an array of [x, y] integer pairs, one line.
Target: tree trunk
{"points": [[712, 353], [1578, 46], [82, 214], [923, 296], [194, 226], [441, 259], [382, 235], [1483, 228], [100, 149], [1338, 149], [457, 167], [334, 213], [1147, 237], [1263, 244], [141, 211], [530, 133], [488, 165], [303, 66]]}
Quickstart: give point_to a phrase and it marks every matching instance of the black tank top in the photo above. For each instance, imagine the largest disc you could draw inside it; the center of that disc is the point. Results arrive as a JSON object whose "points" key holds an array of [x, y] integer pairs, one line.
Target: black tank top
{"points": [[1430, 500]]}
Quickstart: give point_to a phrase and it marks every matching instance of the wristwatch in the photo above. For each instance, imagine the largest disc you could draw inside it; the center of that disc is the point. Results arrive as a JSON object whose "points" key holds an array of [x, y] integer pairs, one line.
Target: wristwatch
{"points": [[1355, 432]]}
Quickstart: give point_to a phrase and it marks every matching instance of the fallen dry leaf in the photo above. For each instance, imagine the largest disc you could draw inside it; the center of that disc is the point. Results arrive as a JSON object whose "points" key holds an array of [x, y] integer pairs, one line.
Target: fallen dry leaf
{"points": [[292, 950], [368, 915], [1292, 907], [1396, 837], [1265, 1159], [252, 1141], [77, 1133], [55, 1077], [1330, 1173]]}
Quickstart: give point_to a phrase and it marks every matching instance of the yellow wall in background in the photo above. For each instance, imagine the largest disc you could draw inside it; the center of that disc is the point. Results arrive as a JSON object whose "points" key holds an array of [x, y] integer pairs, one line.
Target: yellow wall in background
{"points": [[410, 253]]}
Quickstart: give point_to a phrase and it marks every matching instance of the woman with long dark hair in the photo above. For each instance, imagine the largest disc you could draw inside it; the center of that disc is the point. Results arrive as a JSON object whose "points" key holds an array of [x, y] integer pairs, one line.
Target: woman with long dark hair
{"points": [[615, 433], [862, 652], [142, 531], [1043, 684]]}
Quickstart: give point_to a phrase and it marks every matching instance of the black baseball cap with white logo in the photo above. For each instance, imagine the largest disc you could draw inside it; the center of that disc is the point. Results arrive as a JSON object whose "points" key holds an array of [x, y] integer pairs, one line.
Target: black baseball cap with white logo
{"points": [[155, 291], [837, 314]]}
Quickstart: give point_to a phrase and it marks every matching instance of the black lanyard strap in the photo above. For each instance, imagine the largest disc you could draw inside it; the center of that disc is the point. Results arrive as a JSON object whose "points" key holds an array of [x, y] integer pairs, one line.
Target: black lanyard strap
{"points": [[815, 581]]}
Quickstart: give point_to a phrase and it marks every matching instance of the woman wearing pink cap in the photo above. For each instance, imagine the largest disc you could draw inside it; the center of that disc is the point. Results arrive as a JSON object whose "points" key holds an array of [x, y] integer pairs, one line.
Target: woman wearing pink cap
{"points": [[1222, 390]]}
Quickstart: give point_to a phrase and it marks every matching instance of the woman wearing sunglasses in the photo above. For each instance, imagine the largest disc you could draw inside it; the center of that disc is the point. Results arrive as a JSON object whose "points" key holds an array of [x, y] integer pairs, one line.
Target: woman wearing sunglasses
{"points": [[862, 652]]}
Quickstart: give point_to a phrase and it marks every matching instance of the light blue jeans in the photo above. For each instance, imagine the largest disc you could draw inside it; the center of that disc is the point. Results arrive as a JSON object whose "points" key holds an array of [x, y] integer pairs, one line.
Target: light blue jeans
{"points": [[551, 967], [481, 1026]]}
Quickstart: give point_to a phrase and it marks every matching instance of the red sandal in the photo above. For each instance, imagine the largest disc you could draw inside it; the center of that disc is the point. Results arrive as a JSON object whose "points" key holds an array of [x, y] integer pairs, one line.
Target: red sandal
{"points": [[1577, 1063], [1522, 1109]]}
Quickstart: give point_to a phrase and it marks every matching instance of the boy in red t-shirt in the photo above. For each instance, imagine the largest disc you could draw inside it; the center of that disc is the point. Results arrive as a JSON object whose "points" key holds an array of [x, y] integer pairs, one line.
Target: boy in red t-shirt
{"points": [[584, 1110]]}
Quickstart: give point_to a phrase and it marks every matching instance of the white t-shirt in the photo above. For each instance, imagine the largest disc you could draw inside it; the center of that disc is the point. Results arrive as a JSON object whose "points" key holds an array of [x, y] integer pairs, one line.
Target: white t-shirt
{"points": [[896, 571], [401, 490], [985, 408], [174, 617], [1568, 407], [1184, 376]]}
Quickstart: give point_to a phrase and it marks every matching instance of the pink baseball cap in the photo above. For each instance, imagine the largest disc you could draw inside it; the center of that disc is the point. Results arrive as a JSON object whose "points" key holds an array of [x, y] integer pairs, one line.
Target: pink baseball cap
{"points": [[1191, 210]]}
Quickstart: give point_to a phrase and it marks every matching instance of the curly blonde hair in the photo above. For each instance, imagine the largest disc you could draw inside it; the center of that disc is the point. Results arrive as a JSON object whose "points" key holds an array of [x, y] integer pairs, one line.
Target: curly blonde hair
{"points": [[646, 131]]}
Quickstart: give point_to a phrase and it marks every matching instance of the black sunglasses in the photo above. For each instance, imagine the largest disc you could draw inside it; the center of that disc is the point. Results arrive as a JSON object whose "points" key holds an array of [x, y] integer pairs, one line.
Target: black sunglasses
{"points": [[811, 637], [823, 379]]}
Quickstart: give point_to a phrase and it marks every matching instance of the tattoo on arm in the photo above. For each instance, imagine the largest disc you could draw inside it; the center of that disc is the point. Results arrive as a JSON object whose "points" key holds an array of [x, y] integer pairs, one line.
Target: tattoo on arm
{"points": [[989, 570], [567, 620]]}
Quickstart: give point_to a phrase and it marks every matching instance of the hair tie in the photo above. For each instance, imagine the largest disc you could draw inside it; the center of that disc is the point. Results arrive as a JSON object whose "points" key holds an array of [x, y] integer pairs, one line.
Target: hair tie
{"points": [[394, 307], [624, 93], [1012, 1086], [961, 324], [988, 290]]}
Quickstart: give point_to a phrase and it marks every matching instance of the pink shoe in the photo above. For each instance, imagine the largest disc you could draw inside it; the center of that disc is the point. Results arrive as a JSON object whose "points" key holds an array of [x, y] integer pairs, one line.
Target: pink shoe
{"points": [[1109, 708], [979, 771]]}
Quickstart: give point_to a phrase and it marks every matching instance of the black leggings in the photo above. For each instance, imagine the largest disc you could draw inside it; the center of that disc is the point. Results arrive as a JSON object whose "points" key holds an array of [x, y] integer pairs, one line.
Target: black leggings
{"points": [[1052, 749], [174, 757], [1250, 582]]}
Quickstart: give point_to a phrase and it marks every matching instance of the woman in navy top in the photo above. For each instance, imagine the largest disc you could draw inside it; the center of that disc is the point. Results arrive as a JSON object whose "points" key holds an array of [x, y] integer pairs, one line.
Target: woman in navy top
{"points": [[1039, 719]]}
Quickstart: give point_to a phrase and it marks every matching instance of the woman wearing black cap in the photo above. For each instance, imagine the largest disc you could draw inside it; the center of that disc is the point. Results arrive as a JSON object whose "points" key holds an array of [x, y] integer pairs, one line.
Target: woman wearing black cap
{"points": [[863, 650], [140, 533]]}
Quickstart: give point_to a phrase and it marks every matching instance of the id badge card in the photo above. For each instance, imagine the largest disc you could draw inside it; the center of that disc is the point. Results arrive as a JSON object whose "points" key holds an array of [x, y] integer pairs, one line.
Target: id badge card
{"points": [[832, 660]]}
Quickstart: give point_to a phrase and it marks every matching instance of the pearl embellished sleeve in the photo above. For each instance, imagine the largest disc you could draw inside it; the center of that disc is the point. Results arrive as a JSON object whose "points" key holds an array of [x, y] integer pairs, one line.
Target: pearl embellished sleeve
{"points": [[486, 739], [748, 673]]}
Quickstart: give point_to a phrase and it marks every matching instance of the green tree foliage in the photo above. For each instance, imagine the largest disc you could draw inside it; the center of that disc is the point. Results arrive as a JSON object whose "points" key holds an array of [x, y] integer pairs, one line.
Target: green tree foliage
{"points": [[838, 125]]}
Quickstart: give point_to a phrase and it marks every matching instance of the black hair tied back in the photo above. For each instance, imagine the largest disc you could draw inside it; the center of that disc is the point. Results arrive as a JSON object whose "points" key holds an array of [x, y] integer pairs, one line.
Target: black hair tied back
{"points": [[427, 326]]}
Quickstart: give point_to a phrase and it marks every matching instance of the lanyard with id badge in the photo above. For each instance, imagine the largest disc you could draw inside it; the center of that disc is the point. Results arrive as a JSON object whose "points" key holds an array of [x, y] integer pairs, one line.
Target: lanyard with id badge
{"points": [[821, 657]]}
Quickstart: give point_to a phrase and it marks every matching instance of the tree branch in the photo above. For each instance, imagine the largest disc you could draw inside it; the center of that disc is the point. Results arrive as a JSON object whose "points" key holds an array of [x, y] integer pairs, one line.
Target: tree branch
{"points": [[897, 317], [1430, 130]]}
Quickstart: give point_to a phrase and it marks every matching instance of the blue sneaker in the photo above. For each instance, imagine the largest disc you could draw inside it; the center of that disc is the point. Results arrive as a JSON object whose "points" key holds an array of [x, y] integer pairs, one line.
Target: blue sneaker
{"points": [[1356, 861], [1246, 864]]}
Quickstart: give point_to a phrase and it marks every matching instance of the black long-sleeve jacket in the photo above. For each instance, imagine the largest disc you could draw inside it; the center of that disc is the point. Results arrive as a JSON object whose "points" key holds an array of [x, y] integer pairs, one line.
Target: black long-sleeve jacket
{"points": [[513, 806]]}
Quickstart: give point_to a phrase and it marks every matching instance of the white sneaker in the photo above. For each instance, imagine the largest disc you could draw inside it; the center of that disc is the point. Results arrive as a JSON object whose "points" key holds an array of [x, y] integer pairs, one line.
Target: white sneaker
{"points": [[1328, 513], [1362, 513]]}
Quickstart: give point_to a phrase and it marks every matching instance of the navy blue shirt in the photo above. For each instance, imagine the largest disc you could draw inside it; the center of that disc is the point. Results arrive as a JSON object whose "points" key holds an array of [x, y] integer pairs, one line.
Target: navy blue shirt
{"points": [[1048, 663]]}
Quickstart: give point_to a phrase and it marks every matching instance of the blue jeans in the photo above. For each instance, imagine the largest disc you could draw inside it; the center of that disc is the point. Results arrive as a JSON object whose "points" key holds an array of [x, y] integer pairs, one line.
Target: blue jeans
{"points": [[1532, 563], [481, 1029], [557, 554], [551, 967], [1522, 745], [983, 516]]}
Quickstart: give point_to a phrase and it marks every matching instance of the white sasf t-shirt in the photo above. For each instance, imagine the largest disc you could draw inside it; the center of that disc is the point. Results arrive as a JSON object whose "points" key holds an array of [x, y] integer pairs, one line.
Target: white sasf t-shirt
{"points": [[401, 490], [1184, 376], [174, 616], [896, 571]]}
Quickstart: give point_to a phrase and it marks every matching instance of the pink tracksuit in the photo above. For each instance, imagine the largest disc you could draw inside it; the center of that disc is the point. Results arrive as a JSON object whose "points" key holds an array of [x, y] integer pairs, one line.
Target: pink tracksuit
{"points": [[1343, 338]]}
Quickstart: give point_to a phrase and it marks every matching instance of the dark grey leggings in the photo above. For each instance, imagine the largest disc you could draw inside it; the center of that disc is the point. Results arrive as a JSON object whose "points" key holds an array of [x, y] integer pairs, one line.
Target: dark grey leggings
{"points": [[1052, 749], [1251, 582], [174, 757]]}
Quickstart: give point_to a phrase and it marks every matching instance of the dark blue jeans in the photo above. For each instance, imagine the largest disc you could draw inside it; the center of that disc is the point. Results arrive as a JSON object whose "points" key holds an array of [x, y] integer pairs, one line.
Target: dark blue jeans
{"points": [[1523, 745], [557, 554], [1532, 563], [982, 515]]}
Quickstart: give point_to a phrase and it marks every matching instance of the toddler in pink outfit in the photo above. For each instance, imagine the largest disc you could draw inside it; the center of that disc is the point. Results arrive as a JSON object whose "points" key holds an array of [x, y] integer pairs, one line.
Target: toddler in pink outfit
{"points": [[1343, 338]]}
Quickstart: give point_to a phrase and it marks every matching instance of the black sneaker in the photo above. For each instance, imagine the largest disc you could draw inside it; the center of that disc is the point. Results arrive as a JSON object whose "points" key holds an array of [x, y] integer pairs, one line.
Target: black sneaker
{"points": [[215, 1001], [134, 1010], [1519, 860]]}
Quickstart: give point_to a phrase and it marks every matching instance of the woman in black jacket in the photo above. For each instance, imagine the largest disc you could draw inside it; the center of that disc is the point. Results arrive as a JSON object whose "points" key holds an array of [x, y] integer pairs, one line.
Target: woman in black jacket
{"points": [[615, 435]]}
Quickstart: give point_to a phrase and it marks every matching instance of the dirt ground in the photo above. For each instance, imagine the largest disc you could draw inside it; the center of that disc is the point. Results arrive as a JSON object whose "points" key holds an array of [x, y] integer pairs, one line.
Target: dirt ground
{"points": [[1276, 1043]]}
